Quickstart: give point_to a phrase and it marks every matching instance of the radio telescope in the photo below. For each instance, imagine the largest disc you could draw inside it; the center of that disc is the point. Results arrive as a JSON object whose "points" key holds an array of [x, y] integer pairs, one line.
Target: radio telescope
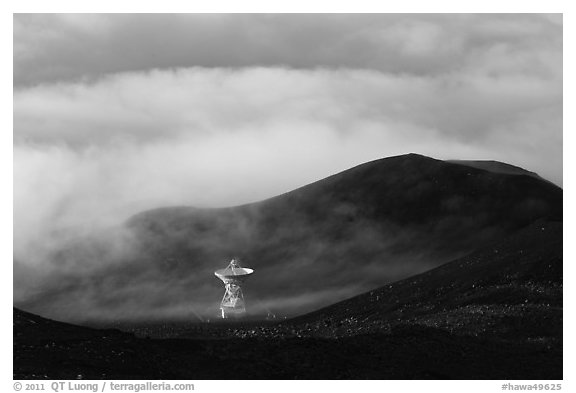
{"points": [[233, 276]]}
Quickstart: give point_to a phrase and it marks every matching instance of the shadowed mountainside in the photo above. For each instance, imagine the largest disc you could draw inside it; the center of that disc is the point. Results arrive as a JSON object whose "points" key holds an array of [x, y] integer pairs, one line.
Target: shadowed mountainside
{"points": [[497, 167], [375, 223], [511, 288]]}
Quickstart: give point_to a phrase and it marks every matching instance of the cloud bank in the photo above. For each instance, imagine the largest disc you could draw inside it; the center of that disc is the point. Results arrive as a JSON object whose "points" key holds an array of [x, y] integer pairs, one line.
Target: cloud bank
{"points": [[60, 47]]}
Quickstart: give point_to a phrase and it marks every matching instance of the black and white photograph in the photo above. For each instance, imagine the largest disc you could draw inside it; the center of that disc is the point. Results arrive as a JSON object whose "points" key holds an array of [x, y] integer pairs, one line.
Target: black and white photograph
{"points": [[287, 196]]}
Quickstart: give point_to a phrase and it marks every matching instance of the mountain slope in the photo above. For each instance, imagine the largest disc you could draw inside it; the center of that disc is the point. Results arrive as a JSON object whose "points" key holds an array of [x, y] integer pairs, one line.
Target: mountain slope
{"points": [[374, 223], [338, 237], [512, 289], [496, 167]]}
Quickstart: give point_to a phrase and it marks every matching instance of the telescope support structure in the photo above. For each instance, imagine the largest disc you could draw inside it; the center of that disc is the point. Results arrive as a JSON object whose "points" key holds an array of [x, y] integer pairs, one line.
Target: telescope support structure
{"points": [[233, 301], [232, 305]]}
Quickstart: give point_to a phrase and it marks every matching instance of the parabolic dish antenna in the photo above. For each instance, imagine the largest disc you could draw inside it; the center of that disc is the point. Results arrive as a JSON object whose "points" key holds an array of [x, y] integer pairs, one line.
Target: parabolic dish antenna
{"points": [[233, 276]]}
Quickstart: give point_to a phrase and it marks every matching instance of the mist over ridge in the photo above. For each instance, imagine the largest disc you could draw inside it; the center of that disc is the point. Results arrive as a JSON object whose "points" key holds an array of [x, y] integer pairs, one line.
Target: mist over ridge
{"points": [[343, 235]]}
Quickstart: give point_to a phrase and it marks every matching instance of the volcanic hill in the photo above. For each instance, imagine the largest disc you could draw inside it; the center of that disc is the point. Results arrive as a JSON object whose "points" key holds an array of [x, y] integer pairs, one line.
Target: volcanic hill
{"points": [[373, 224]]}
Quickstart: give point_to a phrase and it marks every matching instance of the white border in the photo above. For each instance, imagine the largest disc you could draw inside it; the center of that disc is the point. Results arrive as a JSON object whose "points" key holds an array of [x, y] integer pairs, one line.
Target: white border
{"points": [[423, 6]]}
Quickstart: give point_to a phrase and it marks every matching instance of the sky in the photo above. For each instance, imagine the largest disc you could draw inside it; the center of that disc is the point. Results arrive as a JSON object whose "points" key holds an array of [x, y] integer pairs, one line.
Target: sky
{"points": [[116, 114]]}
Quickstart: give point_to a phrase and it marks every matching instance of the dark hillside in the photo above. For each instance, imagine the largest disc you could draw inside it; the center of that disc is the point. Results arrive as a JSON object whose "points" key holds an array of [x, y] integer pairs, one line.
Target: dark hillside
{"points": [[351, 232]]}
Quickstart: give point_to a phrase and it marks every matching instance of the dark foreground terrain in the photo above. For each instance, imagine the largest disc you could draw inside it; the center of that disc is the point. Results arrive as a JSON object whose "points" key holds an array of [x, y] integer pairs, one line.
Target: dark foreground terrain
{"points": [[494, 314]]}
